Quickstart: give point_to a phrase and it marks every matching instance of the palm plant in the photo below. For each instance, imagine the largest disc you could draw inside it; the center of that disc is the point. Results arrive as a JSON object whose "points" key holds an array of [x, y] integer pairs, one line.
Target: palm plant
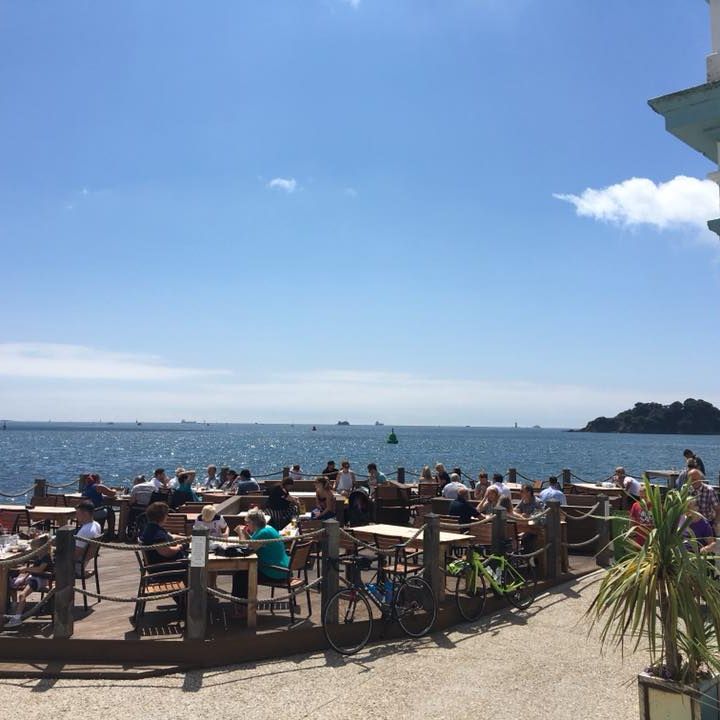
{"points": [[664, 591]]}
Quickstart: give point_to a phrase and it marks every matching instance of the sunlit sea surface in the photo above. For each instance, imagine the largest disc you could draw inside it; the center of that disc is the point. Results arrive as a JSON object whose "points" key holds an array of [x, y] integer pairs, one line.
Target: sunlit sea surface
{"points": [[59, 452]]}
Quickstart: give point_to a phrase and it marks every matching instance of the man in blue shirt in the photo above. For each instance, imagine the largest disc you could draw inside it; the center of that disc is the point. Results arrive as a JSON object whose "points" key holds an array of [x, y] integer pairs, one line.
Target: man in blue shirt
{"points": [[552, 492]]}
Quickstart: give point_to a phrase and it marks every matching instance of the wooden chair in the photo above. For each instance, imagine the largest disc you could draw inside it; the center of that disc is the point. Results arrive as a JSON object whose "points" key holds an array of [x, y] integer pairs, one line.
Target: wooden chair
{"points": [[50, 500], [15, 520], [89, 569], [298, 564], [158, 579], [176, 524], [428, 490], [404, 562]]}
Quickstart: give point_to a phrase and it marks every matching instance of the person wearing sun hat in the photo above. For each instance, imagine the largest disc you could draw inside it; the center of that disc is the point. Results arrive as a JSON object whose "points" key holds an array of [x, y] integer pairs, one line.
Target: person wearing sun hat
{"points": [[210, 518]]}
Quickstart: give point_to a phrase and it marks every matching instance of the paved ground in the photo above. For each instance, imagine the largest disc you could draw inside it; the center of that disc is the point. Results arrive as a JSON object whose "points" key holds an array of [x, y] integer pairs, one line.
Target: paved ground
{"points": [[540, 664]]}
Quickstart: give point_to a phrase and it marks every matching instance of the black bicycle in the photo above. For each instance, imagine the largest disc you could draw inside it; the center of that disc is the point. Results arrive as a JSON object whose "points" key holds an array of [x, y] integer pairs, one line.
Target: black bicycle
{"points": [[348, 616]]}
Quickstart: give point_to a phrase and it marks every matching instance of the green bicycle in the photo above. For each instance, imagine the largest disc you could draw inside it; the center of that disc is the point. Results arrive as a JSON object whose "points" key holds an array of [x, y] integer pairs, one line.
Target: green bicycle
{"points": [[508, 576]]}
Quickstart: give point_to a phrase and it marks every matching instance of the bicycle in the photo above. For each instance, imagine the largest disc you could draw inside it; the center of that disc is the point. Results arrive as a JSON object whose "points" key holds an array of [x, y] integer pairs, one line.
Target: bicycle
{"points": [[508, 575], [348, 617]]}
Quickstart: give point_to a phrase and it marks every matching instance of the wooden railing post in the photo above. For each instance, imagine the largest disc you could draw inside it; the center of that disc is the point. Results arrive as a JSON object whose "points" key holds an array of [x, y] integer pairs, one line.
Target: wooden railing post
{"points": [[64, 583], [566, 477], [401, 475], [286, 472], [605, 551], [553, 539], [432, 558], [330, 566], [498, 529], [39, 487], [196, 606], [512, 475]]}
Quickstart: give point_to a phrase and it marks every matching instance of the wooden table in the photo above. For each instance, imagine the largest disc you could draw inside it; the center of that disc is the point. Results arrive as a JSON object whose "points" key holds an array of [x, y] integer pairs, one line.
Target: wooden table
{"points": [[58, 515], [368, 532], [220, 564], [594, 489]]}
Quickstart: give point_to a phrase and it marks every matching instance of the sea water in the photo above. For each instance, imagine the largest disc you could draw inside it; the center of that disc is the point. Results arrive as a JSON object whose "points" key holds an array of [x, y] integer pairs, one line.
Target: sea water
{"points": [[60, 452]]}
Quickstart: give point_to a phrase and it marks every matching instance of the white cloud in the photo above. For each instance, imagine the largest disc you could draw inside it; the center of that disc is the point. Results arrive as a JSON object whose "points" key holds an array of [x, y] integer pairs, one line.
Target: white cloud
{"points": [[350, 192], [322, 396], [77, 362], [355, 4], [289, 185], [679, 203]]}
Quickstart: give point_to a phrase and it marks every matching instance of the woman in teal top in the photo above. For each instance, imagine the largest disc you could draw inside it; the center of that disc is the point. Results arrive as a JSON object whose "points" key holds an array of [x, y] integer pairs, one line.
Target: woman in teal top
{"points": [[272, 557]]}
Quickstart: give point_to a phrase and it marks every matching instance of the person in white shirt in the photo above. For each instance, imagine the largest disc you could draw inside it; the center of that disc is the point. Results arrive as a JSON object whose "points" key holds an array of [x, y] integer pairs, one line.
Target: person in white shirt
{"points": [[142, 491], [501, 487], [211, 480], [295, 473], [215, 523], [159, 479], [629, 484], [174, 483], [453, 487], [345, 481], [87, 528], [552, 492]]}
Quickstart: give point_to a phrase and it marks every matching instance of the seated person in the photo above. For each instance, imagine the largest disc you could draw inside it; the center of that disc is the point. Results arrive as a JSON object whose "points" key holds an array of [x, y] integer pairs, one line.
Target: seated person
{"points": [[498, 482], [88, 529], [641, 518], [273, 560], [296, 472], [160, 480], [375, 477], [29, 579], [489, 502], [97, 493], [183, 493], [629, 484], [552, 492], [281, 505], [230, 481], [211, 479], [481, 485], [142, 491], [214, 522], [701, 529], [452, 488], [155, 533], [529, 505], [325, 498], [465, 511], [246, 483]]}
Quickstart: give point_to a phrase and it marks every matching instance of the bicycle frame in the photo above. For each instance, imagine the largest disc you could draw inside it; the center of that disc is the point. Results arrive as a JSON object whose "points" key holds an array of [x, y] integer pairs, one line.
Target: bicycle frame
{"points": [[480, 564]]}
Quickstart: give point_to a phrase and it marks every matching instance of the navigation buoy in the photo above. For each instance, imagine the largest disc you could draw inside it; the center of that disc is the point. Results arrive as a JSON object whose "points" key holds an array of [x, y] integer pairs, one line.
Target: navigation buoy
{"points": [[392, 438]]}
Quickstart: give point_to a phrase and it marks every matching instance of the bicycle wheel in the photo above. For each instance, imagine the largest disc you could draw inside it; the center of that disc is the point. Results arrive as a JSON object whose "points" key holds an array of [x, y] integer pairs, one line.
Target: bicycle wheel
{"points": [[470, 594], [414, 607], [521, 574], [353, 627]]}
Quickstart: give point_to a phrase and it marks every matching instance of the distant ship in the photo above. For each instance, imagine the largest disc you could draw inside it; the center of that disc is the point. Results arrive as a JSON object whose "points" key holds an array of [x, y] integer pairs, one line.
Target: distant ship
{"points": [[138, 423], [343, 422], [515, 425], [378, 423], [188, 422], [536, 427]]}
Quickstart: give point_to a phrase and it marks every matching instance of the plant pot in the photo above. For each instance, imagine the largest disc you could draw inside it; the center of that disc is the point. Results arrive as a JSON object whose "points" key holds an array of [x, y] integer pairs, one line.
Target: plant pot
{"points": [[666, 700]]}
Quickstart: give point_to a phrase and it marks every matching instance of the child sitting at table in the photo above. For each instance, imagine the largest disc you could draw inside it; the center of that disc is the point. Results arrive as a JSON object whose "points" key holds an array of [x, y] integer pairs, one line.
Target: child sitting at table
{"points": [[32, 578]]}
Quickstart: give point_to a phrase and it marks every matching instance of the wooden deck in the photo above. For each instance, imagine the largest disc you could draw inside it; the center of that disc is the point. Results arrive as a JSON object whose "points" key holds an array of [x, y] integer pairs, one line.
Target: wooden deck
{"points": [[106, 644]]}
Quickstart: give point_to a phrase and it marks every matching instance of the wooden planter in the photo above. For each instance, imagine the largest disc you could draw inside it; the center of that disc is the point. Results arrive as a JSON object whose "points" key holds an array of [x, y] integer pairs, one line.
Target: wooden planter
{"points": [[666, 700]]}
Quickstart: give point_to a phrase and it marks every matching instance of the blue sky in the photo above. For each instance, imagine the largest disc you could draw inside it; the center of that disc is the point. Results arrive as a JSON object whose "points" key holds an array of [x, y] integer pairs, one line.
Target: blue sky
{"points": [[301, 211]]}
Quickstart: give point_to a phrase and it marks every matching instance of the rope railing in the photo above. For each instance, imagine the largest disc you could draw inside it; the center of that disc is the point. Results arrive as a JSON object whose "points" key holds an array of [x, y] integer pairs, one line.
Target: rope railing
{"points": [[584, 543], [534, 553], [62, 487], [179, 539], [19, 493], [361, 543], [588, 514], [466, 526], [524, 477], [223, 595]]}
